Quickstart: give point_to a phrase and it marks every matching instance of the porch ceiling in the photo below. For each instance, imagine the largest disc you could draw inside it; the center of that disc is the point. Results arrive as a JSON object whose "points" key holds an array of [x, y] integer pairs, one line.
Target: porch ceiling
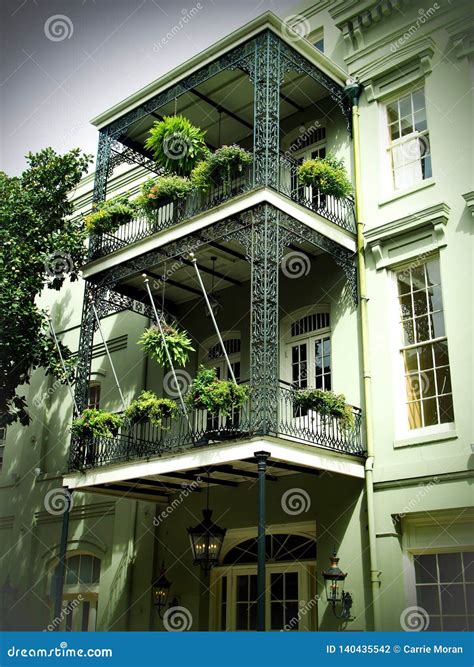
{"points": [[221, 265], [233, 93], [228, 465]]}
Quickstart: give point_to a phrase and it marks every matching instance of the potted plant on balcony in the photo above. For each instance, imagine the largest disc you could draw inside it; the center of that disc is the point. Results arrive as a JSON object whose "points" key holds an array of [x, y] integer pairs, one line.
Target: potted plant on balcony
{"points": [[148, 407], [95, 423], [328, 175], [163, 190], [107, 216], [177, 340], [326, 403], [221, 167], [216, 396], [177, 144]]}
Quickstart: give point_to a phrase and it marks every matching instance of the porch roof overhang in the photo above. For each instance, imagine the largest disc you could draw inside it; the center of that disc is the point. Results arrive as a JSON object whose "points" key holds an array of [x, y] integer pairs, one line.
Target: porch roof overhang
{"points": [[267, 20], [113, 479], [314, 221]]}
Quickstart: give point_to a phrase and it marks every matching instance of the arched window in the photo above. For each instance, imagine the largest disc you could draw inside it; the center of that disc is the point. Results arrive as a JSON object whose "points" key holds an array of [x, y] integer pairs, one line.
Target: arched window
{"points": [[290, 584], [308, 351], [80, 594]]}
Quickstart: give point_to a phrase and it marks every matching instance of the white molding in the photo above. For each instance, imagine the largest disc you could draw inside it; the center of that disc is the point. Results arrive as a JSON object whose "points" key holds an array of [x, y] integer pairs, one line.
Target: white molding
{"points": [[469, 199], [284, 450], [234, 207], [424, 231]]}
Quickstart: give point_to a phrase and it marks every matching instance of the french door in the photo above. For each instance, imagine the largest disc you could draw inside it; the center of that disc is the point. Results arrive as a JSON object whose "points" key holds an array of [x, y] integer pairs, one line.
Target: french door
{"points": [[289, 596], [307, 193]]}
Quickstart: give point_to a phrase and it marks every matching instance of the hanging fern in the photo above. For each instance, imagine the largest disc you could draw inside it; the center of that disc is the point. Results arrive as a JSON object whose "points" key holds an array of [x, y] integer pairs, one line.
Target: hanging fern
{"points": [[107, 216], [95, 423], [148, 407], [328, 175], [177, 144], [326, 403], [177, 340], [216, 396]]}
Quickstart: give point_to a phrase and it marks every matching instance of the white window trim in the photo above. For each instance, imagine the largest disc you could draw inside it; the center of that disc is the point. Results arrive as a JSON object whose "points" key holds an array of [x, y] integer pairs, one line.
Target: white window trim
{"points": [[286, 338], [404, 436], [387, 186]]}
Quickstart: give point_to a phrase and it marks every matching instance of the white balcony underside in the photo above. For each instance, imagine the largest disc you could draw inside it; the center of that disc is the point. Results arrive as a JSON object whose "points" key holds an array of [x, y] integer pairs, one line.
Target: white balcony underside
{"points": [[291, 452], [226, 210]]}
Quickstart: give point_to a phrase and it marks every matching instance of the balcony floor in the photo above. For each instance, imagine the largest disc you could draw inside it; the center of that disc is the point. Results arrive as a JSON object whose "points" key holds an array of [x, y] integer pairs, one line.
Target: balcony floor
{"points": [[229, 464]]}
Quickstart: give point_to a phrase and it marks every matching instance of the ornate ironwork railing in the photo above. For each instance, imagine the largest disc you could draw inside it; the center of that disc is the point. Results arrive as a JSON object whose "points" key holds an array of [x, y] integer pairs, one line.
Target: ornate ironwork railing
{"points": [[171, 214], [197, 428], [337, 210]]}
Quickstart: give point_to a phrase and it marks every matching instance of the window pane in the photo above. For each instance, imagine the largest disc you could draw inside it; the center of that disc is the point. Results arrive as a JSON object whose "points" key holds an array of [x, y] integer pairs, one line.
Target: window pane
{"points": [[426, 357], [408, 334], [450, 567], [427, 597], [72, 576], [241, 616], [430, 412], [452, 599], [435, 300], [446, 412], [418, 98], [406, 125], [406, 309], [403, 281], [418, 277], [420, 121], [276, 586], [427, 382], [413, 387], [414, 415], [420, 303], [411, 360], [425, 569], [441, 353], [470, 598], [392, 112], [444, 381], [277, 616], [242, 587], [291, 586], [85, 572], [292, 614], [422, 329], [405, 106], [468, 559], [437, 325], [453, 623]]}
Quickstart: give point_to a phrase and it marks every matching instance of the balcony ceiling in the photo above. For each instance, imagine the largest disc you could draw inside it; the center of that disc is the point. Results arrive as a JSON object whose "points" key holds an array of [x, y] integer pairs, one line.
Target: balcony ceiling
{"points": [[232, 91], [230, 269]]}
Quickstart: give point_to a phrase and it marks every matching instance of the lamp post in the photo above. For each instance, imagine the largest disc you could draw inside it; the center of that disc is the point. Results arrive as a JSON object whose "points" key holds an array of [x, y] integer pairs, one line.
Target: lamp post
{"points": [[334, 579]]}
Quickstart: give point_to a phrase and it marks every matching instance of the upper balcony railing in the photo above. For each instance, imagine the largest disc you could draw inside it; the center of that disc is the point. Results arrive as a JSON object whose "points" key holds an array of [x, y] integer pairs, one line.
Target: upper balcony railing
{"points": [[197, 428], [340, 211]]}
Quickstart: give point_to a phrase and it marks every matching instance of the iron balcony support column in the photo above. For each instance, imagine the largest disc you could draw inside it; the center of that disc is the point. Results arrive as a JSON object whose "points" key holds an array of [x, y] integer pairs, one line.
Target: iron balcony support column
{"points": [[100, 181], [86, 342], [266, 134], [61, 568], [264, 361], [262, 468]]}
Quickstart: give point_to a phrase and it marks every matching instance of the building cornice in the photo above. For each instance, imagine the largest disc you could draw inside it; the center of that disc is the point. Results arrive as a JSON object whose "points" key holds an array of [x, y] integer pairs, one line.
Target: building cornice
{"points": [[268, 20], [469, 199]]}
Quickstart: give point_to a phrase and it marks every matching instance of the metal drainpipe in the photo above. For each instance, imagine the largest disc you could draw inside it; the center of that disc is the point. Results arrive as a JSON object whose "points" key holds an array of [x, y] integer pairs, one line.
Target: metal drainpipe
{"points": [[353, 91], [61, 568]]}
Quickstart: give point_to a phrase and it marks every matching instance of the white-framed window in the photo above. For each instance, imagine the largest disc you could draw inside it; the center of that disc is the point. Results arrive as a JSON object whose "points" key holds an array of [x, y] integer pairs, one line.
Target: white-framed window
{"points": [[317, 38], [308, 351], [444, 583], [424, 345], [94, 395], [80, 593], [408, 149], [290, 585]]}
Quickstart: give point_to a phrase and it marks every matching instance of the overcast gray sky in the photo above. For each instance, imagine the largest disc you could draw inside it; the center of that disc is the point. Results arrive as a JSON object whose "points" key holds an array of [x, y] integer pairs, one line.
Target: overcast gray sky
{"points": [[64, 61]]}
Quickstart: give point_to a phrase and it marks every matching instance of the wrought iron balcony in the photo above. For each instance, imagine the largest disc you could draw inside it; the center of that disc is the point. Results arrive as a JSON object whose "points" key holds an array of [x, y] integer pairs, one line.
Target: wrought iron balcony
{"points": [[196, 428], [337, 210]]}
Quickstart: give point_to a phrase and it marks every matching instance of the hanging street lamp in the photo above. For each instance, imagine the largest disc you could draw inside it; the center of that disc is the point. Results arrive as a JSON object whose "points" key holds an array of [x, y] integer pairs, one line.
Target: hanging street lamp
{"points": [[160, 591], [334, 579], [206, 539]]}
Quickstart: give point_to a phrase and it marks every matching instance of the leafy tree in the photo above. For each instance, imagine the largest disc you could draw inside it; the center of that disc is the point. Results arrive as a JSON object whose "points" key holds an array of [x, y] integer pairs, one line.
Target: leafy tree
{"points": [[40, 247]]}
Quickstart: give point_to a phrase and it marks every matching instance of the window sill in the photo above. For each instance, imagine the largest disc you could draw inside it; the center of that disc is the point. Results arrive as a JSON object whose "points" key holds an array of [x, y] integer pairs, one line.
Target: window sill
{"points": [[424, 437], [429, 182]]}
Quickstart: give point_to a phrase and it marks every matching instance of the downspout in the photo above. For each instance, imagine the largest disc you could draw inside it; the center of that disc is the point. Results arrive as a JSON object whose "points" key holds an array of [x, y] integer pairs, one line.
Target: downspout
{"points": [[353, 91]]}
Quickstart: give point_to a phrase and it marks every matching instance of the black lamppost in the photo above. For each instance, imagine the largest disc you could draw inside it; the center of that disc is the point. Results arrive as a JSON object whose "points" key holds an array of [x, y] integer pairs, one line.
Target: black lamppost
{"points": [[334, 579], [160, 590], [206, 540]]}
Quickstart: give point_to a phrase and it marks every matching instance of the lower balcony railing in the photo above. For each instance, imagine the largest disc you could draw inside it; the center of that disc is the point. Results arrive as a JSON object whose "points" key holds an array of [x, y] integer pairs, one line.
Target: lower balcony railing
{"points": [[336, 209], [197, 428]]}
